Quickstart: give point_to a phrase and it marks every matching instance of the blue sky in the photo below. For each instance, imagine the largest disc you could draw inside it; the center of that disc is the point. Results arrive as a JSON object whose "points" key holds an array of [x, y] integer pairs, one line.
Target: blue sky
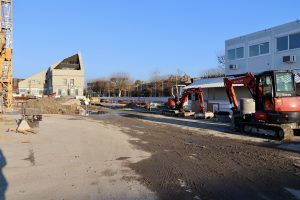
{"points": [[138, 37]]}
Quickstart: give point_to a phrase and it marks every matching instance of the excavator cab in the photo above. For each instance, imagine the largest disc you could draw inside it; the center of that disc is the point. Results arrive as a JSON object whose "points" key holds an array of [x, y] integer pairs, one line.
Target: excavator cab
{"points": [[272, 86], [275, 98]]}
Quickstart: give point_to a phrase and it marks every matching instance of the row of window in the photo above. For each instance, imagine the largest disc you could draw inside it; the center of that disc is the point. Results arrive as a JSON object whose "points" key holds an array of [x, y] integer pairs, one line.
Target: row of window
{"points": [[72, 82], [254, 50], [287, 42], [63, 92], [33, 82], [291, 41]]}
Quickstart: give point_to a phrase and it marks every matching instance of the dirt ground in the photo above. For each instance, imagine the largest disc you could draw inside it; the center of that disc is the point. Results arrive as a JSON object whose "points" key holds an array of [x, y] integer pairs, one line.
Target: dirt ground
{"points": [[70, 158], [126, 155], [193, 164]]}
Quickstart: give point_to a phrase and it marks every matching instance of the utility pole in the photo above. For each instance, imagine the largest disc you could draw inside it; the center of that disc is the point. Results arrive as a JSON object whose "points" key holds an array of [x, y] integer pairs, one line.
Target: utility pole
{"points": [[6, 43]]}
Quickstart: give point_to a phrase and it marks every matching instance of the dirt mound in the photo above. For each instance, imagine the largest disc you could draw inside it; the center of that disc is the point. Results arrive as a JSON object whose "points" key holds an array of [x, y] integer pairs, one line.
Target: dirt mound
{"points": [[72, 102], [54, 106]]}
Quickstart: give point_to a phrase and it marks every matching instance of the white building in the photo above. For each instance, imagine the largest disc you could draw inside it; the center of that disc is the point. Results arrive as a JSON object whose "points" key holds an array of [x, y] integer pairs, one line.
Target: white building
{"points": [[276, 48]]}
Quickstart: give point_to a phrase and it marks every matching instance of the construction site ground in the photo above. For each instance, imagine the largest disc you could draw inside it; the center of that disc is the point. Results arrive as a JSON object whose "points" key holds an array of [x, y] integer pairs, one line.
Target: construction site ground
{"points": [[122, 154]]}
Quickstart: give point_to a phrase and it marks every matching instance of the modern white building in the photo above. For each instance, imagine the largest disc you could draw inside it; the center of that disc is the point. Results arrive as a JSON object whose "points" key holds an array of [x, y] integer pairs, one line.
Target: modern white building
{"points": [[276, 48]]}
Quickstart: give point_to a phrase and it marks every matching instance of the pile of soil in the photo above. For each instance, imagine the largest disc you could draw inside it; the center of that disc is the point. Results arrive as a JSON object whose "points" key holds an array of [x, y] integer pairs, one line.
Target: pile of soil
{"points": [[54, 106]]}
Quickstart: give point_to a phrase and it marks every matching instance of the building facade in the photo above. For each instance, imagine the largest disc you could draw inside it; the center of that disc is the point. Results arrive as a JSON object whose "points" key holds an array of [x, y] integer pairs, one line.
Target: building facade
{"points": [[33, 85], [66, 78], [276, 48]]}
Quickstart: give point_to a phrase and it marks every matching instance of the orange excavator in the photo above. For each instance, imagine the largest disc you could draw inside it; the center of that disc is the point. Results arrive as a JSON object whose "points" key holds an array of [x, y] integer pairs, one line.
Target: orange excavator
{"points": [[275, 108], [177, 104]]}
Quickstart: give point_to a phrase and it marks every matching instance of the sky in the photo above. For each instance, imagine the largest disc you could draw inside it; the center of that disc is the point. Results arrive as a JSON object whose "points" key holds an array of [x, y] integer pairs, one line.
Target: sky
{"points": [[138, 37]]}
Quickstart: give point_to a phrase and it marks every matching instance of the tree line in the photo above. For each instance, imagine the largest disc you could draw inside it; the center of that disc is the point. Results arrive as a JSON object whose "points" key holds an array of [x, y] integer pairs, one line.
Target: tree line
{"points": [[120, 85]]}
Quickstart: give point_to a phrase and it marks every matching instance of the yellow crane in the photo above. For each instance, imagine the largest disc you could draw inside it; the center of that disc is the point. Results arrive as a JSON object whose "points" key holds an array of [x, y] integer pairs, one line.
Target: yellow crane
{"points": [[6, 41]]}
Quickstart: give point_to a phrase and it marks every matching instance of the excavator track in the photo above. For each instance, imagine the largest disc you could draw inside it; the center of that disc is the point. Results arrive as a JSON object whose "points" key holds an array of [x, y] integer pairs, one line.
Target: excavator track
{"points": [[277, 131]]}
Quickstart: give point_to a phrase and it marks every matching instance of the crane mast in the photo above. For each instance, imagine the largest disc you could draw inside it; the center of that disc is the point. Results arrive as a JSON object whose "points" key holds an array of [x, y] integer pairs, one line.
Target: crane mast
{"points": [[6, 44]]}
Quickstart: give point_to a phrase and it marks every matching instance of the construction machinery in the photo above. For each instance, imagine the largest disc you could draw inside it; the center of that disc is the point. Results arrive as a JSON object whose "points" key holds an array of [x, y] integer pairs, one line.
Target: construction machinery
{"points": [[274, 108], [177, 104], [5, 55]]}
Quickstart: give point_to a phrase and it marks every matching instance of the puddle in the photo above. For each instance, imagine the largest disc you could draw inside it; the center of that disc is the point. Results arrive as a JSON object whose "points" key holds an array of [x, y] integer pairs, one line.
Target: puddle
{"points": [[105, 115], [137, 126], [133, 116]]}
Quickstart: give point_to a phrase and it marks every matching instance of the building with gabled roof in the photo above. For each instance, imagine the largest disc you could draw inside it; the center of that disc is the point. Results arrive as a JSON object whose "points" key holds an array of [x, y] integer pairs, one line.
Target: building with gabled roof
{"points": [[65, 78]]}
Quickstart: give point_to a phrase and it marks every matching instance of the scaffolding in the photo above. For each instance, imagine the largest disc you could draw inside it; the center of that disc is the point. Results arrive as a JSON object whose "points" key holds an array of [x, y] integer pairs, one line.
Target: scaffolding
{"points": [[6, 44]]}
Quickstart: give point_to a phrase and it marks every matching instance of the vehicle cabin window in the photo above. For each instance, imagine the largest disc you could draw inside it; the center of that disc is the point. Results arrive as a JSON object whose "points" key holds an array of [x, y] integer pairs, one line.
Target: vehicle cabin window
{"points": [[284, 82], [295, 41], [267, 85], [282, 43]]}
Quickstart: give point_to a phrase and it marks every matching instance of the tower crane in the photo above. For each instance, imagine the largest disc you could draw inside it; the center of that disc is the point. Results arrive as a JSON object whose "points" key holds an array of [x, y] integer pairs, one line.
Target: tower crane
{"points": [[6, 43]]}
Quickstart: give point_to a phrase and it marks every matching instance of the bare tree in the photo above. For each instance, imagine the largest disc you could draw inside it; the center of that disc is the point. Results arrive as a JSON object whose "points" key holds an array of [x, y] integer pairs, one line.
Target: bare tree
{"points": [[221, 60], [213, 72], [120, 82]]}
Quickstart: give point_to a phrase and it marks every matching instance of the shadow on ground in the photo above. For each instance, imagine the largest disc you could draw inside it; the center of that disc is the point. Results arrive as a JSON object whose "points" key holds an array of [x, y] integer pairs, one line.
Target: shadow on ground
{"points": [[3, 182]]}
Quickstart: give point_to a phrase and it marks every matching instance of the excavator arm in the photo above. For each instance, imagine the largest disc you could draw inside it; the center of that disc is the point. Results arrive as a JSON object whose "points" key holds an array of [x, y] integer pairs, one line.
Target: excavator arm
{"points": [[198, 92], [248, 80]]}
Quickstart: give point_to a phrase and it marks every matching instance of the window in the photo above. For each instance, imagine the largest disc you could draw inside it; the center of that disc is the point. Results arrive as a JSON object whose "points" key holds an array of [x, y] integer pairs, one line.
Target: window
{"points": [[259, 49], [254, 50], [264, 48], [231, 54], [65, 82], [72, 82], [282, 43], [237, 53], [294, 41], [76, 92], [240, 52], [59, 92]]}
